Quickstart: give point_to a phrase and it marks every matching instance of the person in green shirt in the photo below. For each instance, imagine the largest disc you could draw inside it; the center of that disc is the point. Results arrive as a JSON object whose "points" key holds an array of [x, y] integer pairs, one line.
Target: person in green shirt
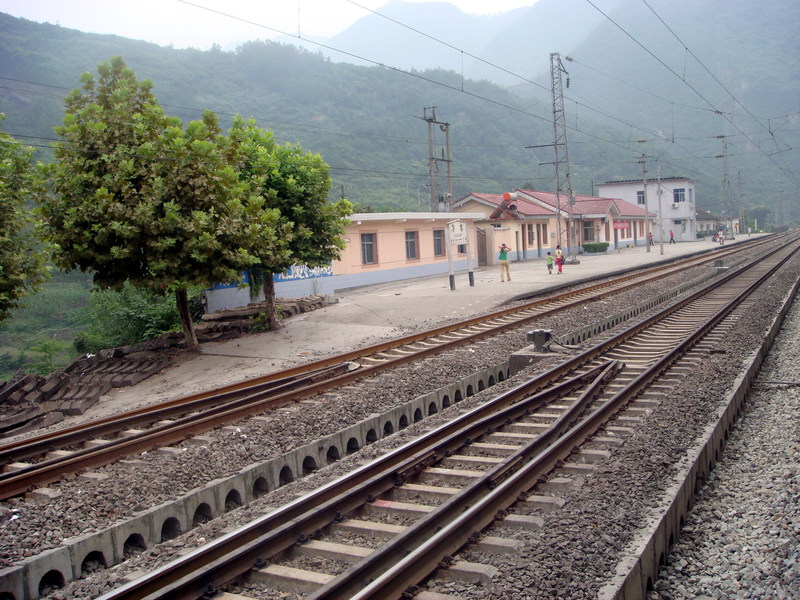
{"points": [[503, 257], [550, 261]]}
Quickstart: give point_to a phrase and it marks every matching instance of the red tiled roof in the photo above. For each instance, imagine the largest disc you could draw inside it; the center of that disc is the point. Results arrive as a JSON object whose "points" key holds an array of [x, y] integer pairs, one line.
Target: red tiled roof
{"points": [[524, 207], [535, 203], [587, 205]]}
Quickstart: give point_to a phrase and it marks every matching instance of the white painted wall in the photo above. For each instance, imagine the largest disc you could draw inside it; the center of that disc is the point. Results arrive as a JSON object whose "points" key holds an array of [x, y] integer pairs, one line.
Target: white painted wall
{"points": [[662, 204]]}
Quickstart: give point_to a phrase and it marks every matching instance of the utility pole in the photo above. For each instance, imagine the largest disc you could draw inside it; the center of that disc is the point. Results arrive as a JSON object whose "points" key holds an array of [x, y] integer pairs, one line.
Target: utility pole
{"points": [[726, 187], [741, 205], [643, 162], [433, 161], [660, 222], [560, 146]]}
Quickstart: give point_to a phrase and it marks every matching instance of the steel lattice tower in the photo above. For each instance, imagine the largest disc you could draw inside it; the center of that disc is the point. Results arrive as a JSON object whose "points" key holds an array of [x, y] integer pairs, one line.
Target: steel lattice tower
{"points": [[563, 185]]}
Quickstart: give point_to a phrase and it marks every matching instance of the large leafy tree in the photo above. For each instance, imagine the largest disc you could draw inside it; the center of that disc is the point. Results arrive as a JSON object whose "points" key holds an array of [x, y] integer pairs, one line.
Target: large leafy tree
{"points": [[295, 184], [138, 198], [22, 256]]}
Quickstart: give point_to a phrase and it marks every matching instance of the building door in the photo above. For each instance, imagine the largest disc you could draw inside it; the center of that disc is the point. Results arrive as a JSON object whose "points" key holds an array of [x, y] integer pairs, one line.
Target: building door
{"points": [[481, 244]]}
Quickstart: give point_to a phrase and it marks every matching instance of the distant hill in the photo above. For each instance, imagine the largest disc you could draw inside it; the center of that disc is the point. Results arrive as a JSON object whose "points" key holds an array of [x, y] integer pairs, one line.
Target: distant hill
{"points": [[366, 120], [519, 41]]}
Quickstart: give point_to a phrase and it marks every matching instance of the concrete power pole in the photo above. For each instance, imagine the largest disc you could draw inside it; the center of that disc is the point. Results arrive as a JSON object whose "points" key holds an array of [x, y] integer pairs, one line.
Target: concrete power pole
{"points": [[643, 162], [560, 146], [433, 161], [726, 187], [741, 205]]}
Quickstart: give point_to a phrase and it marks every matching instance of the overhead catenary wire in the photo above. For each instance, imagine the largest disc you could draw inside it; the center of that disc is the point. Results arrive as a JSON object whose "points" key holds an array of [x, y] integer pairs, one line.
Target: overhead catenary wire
{"points": [[477, 96]]}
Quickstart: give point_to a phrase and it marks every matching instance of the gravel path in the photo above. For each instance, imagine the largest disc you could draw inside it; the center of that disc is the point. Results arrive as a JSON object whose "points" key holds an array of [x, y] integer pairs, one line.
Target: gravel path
{"points": [[742, 537]]}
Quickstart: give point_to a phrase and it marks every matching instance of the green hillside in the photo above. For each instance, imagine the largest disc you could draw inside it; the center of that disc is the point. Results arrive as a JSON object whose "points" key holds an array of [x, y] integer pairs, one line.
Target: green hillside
{"points": [[366, 121]]}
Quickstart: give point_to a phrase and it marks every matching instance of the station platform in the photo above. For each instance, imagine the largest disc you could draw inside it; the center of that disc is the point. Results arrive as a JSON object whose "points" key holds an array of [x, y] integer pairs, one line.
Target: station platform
{"points": [[371, 314]]}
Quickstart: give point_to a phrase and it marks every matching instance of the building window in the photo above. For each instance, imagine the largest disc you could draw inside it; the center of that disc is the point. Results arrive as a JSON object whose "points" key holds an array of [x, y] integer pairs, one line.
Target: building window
{"points": [[640, 197], [369, 249], [462, 248], [438, 242], [531, 237], [679, 195], [411, 245]]}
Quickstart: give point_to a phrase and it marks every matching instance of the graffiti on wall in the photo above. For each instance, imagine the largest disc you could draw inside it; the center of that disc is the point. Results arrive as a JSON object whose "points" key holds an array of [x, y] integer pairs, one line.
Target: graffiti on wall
{"points": [[296, 272]]}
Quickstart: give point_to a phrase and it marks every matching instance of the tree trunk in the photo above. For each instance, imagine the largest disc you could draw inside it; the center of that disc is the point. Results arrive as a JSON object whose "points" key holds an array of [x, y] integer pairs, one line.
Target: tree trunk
{"points": [[270, 310], [182, 302]]}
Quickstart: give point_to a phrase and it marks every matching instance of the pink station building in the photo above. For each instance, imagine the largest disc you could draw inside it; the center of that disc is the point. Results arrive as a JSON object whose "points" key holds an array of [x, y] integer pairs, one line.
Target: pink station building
{"points": [[386, 247]]}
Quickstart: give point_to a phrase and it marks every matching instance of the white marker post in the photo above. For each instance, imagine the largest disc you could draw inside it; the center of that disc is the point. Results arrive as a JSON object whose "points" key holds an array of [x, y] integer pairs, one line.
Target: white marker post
{"points": [[457, 234]]}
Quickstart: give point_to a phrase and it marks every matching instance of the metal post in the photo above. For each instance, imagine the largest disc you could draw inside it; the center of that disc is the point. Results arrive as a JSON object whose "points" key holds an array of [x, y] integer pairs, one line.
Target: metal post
{"points": [[660, 222]]}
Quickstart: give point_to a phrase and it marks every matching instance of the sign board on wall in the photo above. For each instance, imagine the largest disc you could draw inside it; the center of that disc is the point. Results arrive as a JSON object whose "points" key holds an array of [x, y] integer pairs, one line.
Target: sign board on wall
{"points": [[622, 225]]}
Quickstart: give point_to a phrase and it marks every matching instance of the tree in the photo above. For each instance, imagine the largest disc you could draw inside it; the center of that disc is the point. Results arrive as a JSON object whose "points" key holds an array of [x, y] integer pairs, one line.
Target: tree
{"points": [[22, 255], [138, 198], [296, 185]]}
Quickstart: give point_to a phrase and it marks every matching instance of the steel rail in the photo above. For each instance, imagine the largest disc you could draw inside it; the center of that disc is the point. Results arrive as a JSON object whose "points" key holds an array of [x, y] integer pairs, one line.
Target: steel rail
{"points": [[388, 572], [247, 386], [166, 410], [182, 582], [238, 551], [19, 481]]}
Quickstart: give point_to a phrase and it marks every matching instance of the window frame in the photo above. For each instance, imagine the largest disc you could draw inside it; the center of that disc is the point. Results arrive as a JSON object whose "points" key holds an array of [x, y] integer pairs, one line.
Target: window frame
{"points": [[372, 245], [439, 243], [414, 240]]}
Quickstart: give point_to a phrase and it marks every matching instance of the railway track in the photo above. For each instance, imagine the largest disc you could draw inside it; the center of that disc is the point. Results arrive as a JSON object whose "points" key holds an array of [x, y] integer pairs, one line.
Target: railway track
{"points": [[45, 458], [455, 485]]}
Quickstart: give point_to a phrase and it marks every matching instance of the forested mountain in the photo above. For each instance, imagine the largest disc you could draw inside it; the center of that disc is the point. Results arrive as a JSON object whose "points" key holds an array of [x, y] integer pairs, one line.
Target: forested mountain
{"points": [[366, 119]]}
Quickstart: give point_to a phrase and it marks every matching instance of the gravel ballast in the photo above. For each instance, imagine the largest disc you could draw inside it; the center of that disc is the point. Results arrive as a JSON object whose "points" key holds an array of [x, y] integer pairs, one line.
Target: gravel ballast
{"points": [[742, 537], [585, 536]]}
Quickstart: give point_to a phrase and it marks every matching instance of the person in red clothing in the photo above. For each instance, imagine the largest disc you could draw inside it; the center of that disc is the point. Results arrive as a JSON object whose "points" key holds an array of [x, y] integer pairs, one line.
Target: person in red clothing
{"points": [[671, 237], [559, 259]]}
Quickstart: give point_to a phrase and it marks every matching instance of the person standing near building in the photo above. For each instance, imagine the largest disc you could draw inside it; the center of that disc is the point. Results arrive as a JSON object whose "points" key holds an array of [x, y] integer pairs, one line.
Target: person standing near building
{"points": [[559, 259], [671, 237], [550, 260], [651, 239], [503, 258]]}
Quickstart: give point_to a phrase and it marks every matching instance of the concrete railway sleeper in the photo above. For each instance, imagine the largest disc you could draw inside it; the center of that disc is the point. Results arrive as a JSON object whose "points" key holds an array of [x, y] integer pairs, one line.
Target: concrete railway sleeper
{"points": [[388, 572]]}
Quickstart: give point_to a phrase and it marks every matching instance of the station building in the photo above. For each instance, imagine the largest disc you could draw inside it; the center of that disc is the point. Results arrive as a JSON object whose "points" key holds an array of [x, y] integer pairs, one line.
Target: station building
{"points": [[528, 221], [670, 199], [381, 247]]}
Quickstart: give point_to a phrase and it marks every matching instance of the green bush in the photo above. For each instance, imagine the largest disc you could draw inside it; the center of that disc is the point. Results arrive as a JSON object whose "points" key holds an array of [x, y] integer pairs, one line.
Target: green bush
{"points": [[595, 247], [129, 316]]}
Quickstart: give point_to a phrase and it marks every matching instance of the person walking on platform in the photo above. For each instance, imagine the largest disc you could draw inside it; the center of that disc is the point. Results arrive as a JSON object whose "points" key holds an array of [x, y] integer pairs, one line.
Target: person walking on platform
{"points": [[652, 243], [503, 258], [559, 259], [550, 260], [671, 237]]}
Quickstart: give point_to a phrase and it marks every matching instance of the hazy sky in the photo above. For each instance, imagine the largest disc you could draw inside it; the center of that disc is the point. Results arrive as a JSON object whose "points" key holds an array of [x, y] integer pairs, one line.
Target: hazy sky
{"points": [[185, 23]]}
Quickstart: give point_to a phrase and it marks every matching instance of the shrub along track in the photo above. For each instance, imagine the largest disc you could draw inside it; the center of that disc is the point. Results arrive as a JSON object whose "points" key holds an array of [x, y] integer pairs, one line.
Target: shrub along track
{"points": [[565, 417]]}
